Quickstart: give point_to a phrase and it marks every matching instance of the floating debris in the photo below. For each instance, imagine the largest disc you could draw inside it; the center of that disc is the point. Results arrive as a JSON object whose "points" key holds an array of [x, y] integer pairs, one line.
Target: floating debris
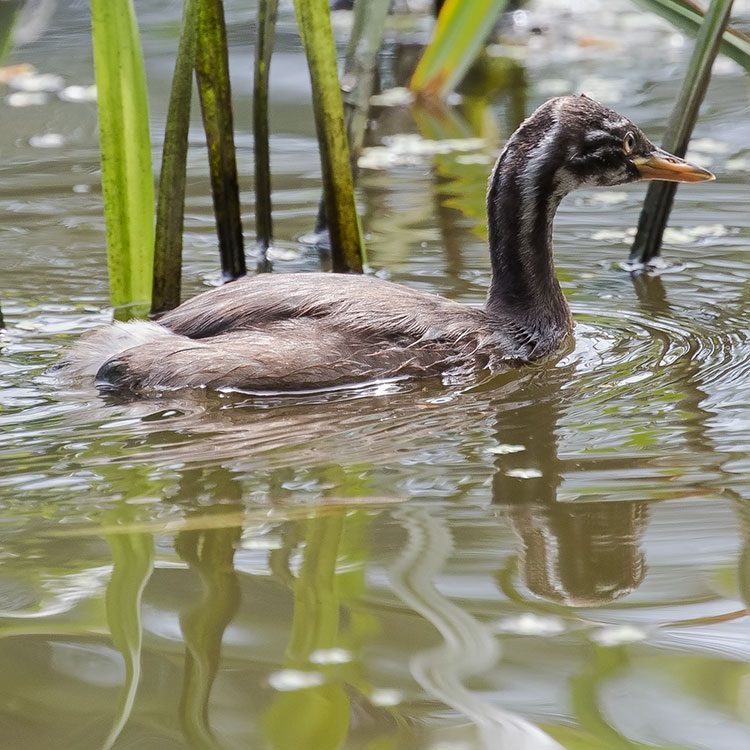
{"points": [[672, 236], [410, 149], [294, 679], [77, 93], [505, 448], [616, 635], [524, 473], [331, 656], [688, 235], [48, 140], [386, 697], [625, 236], [530, 624], [395, 97], [32, 82], [26, 99], [281, 253]]}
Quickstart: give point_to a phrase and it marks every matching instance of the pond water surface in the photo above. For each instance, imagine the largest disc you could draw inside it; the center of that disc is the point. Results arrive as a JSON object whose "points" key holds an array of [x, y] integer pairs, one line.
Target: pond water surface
{"points": [[556, 556]]}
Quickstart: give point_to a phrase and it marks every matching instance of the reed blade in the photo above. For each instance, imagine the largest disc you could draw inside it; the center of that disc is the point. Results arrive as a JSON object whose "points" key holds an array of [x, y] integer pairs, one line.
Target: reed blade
{"points": [[360, 67], [212, 72], [660, 195], [9, 11], [267, 10], [460, 33], [360, 63], [688, 17], [170, 210], [347, 244], [127, 177]]}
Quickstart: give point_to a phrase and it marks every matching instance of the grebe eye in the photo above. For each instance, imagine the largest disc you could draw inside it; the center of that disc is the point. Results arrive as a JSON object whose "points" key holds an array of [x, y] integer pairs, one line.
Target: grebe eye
{"points": [[628, 143]]}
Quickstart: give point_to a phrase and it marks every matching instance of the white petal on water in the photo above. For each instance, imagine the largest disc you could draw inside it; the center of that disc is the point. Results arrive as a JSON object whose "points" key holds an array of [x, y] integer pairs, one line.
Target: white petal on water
{"points": [[625, 236], [76, 93], [294, 679], [281, 253], [523, 473], [409, 149], [395, 97], [26, 99], [331, 656], [35, 82], [505, 448], [386, 697], [615, 635], [48, 140], [531, 624], [688, 235]]}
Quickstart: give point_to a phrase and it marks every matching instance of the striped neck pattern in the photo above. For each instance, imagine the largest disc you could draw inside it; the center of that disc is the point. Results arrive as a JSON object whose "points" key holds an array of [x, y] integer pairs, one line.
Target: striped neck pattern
{"points": [[525, 190]]}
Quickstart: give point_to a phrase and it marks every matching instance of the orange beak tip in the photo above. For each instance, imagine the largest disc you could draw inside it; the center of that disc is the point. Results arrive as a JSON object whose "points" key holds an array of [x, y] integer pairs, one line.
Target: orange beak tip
{"points": [[663, 166]]}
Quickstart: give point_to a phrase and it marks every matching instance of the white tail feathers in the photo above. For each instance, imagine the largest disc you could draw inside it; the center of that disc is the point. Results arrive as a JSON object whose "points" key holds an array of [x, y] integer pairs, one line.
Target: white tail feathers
{"points": [[102, 344]]}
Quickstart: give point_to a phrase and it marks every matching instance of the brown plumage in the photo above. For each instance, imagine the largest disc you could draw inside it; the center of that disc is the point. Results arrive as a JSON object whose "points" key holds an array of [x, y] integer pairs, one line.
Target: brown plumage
{"points": [[305, 331]]}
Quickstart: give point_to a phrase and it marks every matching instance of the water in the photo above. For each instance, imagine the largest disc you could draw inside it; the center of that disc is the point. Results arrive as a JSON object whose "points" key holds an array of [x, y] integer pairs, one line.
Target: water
{"points": [[557, 554]]}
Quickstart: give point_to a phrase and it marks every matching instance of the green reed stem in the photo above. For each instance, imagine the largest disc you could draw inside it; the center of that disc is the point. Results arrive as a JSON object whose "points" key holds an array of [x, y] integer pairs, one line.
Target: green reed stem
{"points": [[347, 244], [212, 71], [127, 177], [660, 195], [263, 50], [170, 210]]}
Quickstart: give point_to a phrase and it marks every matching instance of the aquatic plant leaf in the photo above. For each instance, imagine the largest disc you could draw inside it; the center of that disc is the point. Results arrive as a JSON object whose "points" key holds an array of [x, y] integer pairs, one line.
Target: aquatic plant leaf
{"points": [[127, 177], [360, 66], [170, 211], [132, 563], [212, 71], [9, 11], [688, 17], [460, 33], [263, 49], [347, 243], [358, 83], [660, 195]]}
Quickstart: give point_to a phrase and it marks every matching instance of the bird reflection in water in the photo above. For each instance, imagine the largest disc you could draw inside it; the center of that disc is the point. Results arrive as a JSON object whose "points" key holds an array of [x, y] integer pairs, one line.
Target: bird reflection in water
{"points": [[571, 552]]}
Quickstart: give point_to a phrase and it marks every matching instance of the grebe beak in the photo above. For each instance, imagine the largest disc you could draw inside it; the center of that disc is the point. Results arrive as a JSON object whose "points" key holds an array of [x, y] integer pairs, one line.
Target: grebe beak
{"points": [[661, 165]]}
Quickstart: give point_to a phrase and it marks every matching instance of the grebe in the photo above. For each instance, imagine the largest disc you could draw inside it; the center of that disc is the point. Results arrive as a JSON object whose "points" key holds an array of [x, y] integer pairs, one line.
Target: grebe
{"points": [[319, 330]]}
